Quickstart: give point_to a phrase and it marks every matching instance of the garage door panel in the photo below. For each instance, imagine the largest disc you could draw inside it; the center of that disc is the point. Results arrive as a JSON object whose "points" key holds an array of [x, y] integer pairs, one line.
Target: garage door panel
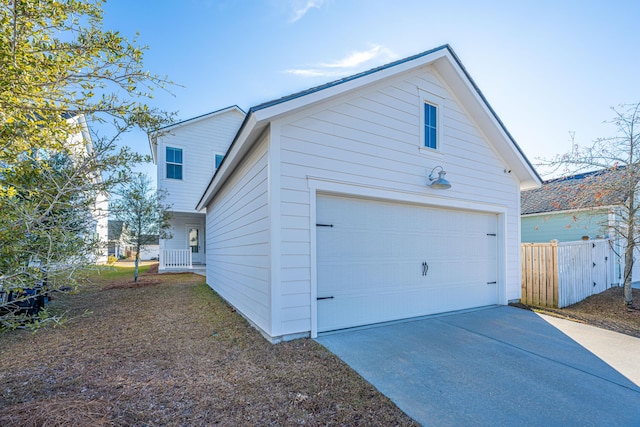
{"points": [[371, 261], [368, 275], [381, 308]]}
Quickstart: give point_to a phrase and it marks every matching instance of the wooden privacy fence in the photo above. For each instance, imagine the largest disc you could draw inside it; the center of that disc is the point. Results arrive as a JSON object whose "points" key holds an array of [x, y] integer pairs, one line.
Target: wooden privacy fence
{"points": [[560, 274]]}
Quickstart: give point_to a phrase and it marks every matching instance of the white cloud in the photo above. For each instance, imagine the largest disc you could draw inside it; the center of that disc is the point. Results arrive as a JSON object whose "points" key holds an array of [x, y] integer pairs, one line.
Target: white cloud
{"points": [[354, 59], [350, 64], [301, 7]]}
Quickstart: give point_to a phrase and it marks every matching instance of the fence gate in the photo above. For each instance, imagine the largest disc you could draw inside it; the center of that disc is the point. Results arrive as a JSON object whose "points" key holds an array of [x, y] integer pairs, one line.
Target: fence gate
{"points": [[561, 274]]}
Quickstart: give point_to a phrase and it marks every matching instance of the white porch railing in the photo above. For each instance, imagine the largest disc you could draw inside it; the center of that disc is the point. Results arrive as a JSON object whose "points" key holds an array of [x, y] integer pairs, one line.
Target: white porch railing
{"points": [[175, 258]]}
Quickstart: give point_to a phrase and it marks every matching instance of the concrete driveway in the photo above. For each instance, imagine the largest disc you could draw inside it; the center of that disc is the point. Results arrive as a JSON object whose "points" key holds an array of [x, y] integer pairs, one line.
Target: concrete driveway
{"points": [[498, 366]]}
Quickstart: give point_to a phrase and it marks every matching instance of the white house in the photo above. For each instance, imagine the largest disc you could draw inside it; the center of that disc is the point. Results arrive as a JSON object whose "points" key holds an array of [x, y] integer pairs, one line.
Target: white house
{"points": [[322, 216], [187, 154], [118, 246], [81, 143]]}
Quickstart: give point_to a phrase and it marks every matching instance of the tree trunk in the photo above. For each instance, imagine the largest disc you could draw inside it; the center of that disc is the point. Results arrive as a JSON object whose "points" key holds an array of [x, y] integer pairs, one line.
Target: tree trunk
{"points": [[136, 263], [628, 266], [628, 254]]}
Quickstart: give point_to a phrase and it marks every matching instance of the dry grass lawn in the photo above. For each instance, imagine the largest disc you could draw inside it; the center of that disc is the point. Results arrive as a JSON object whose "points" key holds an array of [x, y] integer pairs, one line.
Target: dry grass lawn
{"points": [[169, 352]]}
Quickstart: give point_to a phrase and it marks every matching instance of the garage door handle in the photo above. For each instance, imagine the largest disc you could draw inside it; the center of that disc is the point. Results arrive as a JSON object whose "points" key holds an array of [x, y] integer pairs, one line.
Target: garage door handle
{"points": [[491, 283], [319, 298]]}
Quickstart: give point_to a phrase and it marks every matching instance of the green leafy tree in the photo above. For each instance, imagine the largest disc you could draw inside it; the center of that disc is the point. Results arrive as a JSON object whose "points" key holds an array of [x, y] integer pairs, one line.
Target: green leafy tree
{"points": [[145, 217], [619, 157], [69, 91]]}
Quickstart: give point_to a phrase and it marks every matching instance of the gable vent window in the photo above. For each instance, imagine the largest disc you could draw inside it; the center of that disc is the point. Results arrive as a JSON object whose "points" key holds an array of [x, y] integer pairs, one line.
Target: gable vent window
{"points": [[219, 158], [430, 126], [174, 163]]}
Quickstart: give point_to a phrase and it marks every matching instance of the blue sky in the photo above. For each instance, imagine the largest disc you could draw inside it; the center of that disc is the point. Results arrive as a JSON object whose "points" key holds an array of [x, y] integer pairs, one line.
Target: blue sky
{"points": [[546, 67]]}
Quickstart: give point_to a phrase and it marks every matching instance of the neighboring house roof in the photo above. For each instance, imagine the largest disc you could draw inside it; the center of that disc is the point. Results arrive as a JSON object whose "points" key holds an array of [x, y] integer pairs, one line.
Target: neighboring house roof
{"points": [[579, 191], [115, 229], [442, 58], [154, 135]]}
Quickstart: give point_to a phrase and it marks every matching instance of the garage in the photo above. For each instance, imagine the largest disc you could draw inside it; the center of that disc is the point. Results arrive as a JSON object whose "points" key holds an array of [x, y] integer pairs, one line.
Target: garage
{"points": [[380, 261]]}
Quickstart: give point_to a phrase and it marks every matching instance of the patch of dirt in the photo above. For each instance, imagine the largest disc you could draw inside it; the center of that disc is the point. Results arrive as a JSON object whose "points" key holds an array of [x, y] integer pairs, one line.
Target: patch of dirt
{"points": [[153, 269], [175, 354], [605, 310]]}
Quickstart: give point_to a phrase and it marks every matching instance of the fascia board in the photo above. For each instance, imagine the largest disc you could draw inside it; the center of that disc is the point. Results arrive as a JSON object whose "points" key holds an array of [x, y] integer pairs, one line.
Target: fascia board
{"points": [[153, 146]]}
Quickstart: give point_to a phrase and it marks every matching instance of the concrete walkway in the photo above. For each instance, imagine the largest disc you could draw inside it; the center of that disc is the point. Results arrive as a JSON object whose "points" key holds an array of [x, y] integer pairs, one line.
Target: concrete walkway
{"points": [[619, 351], [500, 366]]}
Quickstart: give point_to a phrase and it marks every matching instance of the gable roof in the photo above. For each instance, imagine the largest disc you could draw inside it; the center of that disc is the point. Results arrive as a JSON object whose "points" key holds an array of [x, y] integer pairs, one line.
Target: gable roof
{"points": [[153, 136], [114, 229], [579, 191], [442, 58]]}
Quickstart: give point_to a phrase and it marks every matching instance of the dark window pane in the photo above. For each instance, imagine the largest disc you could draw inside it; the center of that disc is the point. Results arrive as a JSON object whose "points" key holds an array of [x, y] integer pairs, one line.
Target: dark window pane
{"points": [[174, 155], [430, 126], [174, 171]]}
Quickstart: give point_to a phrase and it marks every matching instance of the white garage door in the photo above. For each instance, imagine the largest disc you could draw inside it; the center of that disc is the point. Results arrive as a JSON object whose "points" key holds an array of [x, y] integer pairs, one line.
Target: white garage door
{"points": [[380, 261]]}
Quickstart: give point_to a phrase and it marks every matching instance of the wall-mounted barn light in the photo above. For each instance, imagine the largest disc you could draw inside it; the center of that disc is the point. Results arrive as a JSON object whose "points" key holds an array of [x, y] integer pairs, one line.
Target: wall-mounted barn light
{"points": [[439, 183]]}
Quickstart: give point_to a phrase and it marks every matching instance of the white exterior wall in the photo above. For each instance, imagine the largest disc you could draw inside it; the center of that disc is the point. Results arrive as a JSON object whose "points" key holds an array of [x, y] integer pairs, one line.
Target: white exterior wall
{"points": [[101, 215], [368, 143], [149, 252], [200, 141], [80, 144], [238, 236]]}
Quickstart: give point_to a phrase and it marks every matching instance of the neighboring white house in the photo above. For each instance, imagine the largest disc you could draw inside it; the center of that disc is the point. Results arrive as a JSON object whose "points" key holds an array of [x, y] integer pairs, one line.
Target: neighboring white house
{"points": [[322, 216], [187, 154], [120, 249], [81, 143]]}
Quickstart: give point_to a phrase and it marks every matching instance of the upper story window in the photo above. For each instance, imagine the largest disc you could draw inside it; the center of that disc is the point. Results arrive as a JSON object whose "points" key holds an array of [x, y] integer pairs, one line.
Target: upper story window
{"points": [[174, 163], [219, 158], [430, 126], [431, 112]]}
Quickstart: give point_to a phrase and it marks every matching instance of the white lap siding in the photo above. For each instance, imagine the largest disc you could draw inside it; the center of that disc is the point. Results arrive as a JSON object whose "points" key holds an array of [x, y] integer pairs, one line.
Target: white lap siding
{"points": [[238, 239], [371, 139], [200, 143]]}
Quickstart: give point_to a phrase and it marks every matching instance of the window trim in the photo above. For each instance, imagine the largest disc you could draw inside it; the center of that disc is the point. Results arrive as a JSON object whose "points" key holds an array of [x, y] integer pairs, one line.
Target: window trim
{"points": [[167, 163], [437, 102]]}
